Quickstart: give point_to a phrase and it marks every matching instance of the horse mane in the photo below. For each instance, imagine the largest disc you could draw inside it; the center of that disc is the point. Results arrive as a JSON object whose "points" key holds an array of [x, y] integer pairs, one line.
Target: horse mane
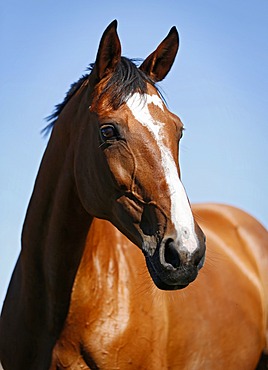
{"points": [[123, 83], [59, 107]]}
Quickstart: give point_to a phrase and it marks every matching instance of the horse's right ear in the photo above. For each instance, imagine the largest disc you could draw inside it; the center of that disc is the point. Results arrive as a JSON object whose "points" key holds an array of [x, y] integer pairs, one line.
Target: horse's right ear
{"points": [[109, 52]]}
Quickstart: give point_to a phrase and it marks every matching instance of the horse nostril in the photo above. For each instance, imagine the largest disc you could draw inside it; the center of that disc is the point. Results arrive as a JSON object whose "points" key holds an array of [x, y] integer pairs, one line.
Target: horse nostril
{"points": [[171, 254]]}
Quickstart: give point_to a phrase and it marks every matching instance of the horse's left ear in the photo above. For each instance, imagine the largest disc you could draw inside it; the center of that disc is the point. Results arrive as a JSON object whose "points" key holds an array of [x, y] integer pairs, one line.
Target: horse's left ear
{"points": [[109, 52], [158, 64]]}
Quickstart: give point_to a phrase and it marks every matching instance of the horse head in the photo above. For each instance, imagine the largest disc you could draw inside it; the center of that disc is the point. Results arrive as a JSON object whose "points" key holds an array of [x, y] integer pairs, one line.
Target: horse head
{"points": [[126, 163]]}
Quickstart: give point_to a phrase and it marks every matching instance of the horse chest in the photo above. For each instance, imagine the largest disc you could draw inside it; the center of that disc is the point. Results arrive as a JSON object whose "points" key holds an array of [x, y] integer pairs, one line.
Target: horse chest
{"points": [[119, 320]]}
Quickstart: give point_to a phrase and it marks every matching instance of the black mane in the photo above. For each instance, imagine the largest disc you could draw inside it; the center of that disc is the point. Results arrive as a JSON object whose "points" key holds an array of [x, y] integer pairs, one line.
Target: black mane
{"points": [[124, 82], [59, 107]]}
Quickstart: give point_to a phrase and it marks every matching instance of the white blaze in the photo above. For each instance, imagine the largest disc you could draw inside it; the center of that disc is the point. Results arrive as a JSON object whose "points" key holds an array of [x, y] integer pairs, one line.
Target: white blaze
{"points": [[181, 214]]}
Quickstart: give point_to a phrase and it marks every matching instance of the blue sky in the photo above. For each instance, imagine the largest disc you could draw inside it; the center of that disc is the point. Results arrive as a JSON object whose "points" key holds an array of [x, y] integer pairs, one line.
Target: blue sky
{"points": [[218, 86]]}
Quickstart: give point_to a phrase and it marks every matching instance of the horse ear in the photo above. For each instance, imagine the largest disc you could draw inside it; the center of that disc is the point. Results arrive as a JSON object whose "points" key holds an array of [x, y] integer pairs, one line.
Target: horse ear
{"points": [[109, 52], [158, 64]]}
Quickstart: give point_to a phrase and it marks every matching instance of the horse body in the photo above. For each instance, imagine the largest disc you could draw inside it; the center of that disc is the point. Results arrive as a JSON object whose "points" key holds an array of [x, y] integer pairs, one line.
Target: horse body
{"points": [[119, 320], [80, 295]]}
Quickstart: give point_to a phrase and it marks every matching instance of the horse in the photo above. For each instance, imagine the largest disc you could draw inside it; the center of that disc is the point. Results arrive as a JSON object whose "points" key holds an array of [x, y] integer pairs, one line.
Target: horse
{"points": [[117, 270]]}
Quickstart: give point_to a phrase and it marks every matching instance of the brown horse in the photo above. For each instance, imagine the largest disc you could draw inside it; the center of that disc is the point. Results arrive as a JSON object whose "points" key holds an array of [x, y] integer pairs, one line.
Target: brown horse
{"points": [[80, 295]]}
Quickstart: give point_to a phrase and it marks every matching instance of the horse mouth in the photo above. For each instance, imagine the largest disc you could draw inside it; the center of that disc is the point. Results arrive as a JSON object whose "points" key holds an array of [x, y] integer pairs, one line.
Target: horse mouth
{"points": [[170, 280]]}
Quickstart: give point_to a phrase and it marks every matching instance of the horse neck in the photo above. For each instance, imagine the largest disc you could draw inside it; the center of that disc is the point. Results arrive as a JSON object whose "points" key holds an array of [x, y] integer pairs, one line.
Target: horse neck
{"points": [[55, 227], [53, 240]]}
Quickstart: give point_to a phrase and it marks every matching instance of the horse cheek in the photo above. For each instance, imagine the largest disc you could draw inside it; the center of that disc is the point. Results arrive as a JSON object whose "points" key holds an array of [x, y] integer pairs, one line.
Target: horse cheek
{"points": [[122, 168]]}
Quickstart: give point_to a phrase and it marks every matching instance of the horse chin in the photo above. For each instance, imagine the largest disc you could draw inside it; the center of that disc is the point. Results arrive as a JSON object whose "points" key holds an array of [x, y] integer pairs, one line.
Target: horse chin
{"points": [[163, 286]]}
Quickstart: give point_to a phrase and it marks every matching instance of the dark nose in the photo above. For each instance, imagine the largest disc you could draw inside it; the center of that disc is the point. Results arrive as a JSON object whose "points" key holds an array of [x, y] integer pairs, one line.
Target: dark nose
{"points": [[172, 256]]}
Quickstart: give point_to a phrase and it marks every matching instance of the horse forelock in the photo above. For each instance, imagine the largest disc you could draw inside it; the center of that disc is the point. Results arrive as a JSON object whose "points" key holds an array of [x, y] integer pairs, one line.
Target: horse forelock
{"points": [[126, 80], [116, 88]]}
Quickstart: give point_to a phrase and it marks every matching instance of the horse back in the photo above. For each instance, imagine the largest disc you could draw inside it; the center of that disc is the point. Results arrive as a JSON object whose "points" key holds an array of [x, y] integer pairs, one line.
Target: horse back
{"points": [[242, 239]]}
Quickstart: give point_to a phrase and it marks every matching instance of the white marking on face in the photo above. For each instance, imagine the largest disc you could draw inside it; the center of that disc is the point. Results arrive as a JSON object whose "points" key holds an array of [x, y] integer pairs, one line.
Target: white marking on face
{"points": [[181, 214]]}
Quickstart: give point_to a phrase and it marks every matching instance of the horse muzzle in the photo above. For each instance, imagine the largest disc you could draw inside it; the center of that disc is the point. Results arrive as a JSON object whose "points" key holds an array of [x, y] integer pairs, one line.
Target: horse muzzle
{"points": [[171, 266]]}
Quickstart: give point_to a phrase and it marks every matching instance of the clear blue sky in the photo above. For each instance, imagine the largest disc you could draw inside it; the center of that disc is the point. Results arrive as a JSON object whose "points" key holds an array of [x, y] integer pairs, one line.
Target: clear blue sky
{"points": [[218, 86]]}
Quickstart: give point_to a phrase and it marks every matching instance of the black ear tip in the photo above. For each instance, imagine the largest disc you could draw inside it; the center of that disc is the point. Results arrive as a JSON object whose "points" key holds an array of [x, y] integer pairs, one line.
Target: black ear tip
{"points": [[112, 27], [173, 31], [113, 24]]}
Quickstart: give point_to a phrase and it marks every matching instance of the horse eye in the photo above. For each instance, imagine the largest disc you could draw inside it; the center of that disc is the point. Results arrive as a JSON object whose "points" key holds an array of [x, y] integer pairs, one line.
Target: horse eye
{"points": [[108, 132]]}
